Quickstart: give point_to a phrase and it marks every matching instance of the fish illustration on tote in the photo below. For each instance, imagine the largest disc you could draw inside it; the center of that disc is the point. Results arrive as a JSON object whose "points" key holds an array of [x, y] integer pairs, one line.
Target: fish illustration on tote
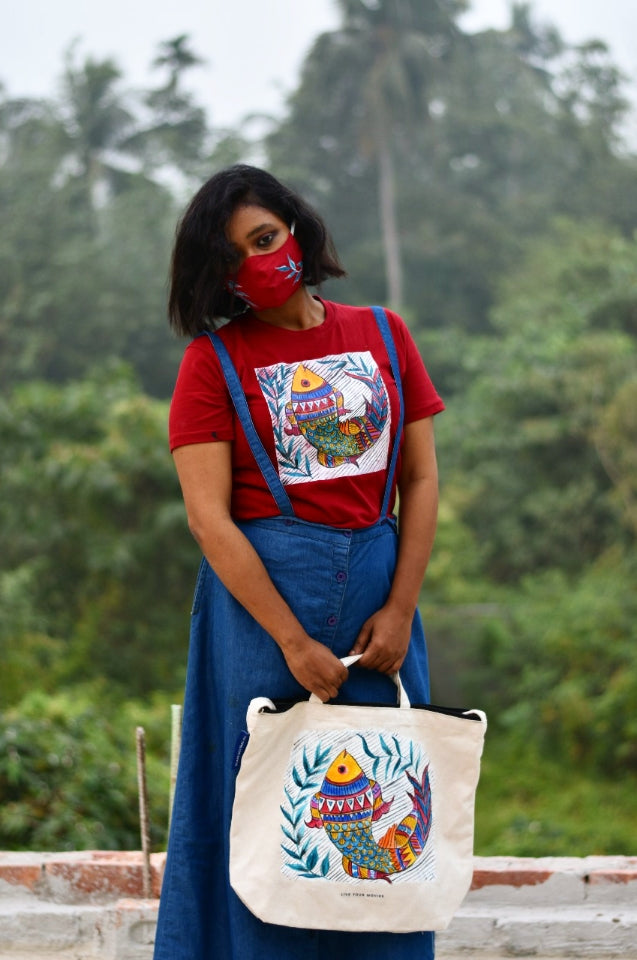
{"points": [[314, 411], [346, 806]]}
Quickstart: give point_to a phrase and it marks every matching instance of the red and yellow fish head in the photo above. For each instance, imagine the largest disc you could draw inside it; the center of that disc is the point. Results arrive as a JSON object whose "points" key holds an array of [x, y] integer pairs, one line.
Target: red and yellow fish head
{"points": [[344, 769]]}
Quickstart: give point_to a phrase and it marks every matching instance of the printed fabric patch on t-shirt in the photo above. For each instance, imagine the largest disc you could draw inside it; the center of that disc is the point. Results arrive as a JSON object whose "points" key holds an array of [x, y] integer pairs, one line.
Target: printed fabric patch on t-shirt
{"points": [[330, 416]]}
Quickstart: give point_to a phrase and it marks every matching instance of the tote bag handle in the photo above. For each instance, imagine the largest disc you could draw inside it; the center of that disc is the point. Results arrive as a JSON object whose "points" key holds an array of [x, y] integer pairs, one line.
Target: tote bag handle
{"points": [[261, 704], [403, 699]]}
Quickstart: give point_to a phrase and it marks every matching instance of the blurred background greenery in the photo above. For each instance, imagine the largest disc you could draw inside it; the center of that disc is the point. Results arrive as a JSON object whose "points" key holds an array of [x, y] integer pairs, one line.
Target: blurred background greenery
{"points": [[480, 184]]}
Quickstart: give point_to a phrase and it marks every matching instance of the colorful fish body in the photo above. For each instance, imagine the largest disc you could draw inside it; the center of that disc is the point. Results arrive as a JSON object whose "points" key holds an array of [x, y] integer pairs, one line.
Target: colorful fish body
{"points": [[314, 411], [346, 806]]}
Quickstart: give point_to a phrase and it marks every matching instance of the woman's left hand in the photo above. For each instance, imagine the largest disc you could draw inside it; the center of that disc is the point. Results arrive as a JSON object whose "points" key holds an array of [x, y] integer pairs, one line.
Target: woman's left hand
{"points": [[384, 639]]}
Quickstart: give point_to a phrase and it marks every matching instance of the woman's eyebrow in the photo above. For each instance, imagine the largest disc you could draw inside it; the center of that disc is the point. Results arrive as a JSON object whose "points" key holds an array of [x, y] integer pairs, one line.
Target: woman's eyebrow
{"points": [[262, 226]]}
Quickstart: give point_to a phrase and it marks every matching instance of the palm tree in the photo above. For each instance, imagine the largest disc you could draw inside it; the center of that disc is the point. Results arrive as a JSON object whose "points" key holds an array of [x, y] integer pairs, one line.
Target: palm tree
{"points": [[177, 130], [97, 122], [399, 45], [176, 55]]}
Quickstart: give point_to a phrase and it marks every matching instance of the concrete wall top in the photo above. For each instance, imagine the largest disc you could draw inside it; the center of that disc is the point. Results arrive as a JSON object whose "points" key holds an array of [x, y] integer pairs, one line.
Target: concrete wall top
{"points": [[100, 876], [90, 904]]}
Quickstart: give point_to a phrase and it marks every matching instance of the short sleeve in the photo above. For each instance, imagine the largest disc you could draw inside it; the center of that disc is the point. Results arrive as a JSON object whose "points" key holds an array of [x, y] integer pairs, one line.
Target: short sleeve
{"points": [[201, 408], [420, 396]]}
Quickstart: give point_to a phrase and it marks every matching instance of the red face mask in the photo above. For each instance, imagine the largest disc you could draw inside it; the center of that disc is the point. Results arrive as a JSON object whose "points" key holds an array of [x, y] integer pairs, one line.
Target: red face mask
{"points": [[267, 280]]}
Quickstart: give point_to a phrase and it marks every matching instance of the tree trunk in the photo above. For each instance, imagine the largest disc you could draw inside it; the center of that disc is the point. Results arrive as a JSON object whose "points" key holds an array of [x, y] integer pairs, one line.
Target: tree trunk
{"points": [[389, 221]]}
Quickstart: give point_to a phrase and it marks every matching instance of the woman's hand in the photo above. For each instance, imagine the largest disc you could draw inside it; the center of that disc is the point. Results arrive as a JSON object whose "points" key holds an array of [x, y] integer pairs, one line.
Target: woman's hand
{"points": [[383, 640], [316, 668]]}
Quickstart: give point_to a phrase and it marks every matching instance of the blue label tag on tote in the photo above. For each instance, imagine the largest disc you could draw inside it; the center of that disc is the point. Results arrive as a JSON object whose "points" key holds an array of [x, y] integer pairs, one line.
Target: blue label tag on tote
{"points": [[241, 744]]}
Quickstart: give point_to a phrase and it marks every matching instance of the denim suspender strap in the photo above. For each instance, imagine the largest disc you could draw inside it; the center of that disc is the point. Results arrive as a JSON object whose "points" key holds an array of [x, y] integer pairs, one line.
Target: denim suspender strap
{"points": [[264, 463], [383, 326]]}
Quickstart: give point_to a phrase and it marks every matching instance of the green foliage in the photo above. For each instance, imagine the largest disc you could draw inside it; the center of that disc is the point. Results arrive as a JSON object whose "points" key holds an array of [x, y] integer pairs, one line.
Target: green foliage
{"points": [[615, 439], [68, 777], [524, 442], [528, 805], [97, 564], [552, 662], [570, 653]]}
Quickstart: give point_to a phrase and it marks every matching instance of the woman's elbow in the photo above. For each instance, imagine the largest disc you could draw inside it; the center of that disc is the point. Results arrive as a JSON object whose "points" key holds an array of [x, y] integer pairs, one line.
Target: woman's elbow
{"points": [[197, 530], [207, 529]]}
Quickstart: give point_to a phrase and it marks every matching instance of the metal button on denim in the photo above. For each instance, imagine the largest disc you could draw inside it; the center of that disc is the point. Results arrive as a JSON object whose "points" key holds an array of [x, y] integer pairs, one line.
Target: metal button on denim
{"points": [[341, 576], [332, 620]]}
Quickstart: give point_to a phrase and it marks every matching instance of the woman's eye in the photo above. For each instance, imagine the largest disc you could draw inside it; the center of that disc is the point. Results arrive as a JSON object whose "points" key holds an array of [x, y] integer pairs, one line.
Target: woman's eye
{"points": [[266, 239]]}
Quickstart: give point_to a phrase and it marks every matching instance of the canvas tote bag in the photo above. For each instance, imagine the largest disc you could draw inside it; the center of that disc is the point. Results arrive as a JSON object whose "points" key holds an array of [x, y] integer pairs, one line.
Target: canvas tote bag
{"points": [[356, 817]]}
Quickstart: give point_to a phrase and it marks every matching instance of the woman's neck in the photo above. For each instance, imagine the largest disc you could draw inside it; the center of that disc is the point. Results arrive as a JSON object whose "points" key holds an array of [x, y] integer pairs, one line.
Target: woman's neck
{"points": [[300, 312]]}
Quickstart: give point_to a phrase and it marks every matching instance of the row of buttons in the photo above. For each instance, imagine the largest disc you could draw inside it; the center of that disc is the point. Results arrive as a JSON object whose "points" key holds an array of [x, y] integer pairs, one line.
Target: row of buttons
{"points": [[341, 577]]}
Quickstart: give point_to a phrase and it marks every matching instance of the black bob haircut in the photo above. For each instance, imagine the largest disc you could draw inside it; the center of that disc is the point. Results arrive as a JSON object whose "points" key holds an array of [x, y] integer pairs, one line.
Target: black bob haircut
{"points": [[202, 256]]}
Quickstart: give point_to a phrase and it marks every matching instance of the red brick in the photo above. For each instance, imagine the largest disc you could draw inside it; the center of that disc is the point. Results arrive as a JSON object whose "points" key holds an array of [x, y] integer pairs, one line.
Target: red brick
{"points": [[21, 875], [509, 878], [131, 905], [627, 875], [107, 874]]}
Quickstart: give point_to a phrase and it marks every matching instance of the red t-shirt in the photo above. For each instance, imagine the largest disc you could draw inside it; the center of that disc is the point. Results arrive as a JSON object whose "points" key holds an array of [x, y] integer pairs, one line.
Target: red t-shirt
{"points": [[324, 403]]}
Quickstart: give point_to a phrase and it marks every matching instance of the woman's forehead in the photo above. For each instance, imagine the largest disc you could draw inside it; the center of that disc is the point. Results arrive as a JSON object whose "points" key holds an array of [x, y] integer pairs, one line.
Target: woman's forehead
{"points": [[249, 219]]}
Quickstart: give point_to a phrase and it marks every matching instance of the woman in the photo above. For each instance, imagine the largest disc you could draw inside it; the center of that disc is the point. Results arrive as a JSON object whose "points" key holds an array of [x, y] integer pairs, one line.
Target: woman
{"points": [[290, 429]]}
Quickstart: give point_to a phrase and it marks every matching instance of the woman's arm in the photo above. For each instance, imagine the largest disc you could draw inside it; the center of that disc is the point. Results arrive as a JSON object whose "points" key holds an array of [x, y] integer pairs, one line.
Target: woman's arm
{"points": [[384, 638], [205, 474]]}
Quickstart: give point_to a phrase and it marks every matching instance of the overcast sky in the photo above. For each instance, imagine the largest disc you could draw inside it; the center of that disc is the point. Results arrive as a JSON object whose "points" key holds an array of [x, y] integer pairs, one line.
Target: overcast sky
{"points": [[253, 48]]}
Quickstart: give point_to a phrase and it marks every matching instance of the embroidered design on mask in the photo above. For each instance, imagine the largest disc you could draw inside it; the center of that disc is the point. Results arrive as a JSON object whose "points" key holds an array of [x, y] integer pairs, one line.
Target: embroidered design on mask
{"points": [[293, 270]]}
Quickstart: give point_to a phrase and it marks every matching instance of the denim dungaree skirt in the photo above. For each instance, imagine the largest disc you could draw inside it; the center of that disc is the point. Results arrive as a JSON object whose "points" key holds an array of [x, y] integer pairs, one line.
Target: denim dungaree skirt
{"points": [[333, 579]]}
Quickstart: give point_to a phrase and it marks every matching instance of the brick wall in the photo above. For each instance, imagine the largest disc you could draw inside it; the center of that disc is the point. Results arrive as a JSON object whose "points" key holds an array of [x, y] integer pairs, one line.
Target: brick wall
{"points": [[65, 906]]}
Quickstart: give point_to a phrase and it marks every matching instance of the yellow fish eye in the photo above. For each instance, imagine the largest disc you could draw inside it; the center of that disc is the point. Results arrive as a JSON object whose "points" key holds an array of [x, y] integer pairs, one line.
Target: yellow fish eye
{"points": [[305, 380], [344, 769]]}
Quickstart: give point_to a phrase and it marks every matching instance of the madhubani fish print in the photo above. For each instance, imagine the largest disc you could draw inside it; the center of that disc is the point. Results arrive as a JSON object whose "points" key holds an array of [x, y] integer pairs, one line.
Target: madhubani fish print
{"points": [[315, 408], [346, 806]]}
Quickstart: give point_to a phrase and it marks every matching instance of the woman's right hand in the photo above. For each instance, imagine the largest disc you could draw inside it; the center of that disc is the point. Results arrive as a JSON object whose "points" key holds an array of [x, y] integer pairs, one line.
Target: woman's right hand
{"points": [[316, 668]]}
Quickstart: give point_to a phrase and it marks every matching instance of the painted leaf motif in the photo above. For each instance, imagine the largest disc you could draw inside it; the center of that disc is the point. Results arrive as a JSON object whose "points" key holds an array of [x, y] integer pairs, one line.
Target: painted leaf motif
{"points": [[312, 859], [290, 853], [301, 868], [365, 746]]}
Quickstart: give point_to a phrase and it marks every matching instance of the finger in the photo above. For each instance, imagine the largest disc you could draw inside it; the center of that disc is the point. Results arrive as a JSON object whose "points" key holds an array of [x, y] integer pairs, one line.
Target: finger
{"points": [[327, 691], [362, 641], [376, 658], [370, 660]]}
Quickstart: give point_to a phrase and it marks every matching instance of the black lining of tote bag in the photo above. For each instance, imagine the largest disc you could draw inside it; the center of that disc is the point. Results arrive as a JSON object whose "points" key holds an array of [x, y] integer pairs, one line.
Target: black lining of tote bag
{"points": [[460, 712]]}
